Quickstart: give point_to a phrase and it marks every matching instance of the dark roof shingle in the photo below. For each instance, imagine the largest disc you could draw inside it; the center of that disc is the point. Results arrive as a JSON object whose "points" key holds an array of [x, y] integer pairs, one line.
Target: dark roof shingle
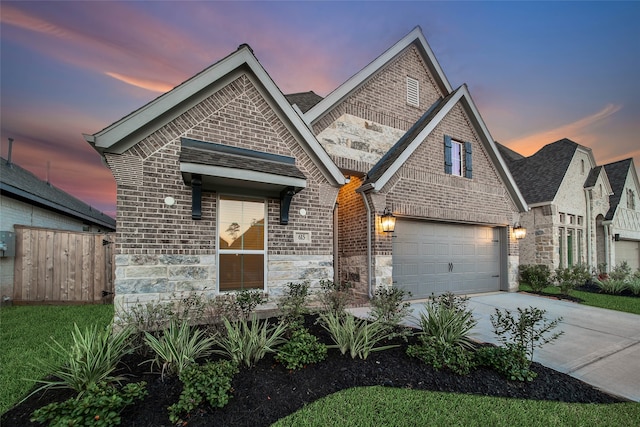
{"points": [[617, 173], [304, 100], [23, 184]]}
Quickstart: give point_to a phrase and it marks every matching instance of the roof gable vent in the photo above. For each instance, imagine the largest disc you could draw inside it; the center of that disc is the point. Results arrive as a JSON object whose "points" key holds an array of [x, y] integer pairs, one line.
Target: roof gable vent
{"points": [[413, 92]]}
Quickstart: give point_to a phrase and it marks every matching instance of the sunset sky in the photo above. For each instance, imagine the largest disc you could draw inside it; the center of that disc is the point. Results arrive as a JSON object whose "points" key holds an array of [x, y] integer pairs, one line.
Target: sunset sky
{"points": [[538, 71]]}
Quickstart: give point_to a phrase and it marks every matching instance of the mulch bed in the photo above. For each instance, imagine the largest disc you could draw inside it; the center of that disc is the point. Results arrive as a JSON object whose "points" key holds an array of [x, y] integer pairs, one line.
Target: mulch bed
{"points": [[268, 391]]}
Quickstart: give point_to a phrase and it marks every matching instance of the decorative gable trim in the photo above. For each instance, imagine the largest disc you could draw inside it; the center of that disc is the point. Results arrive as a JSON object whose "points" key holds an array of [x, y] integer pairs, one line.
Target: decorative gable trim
{"points": [[414, 37], [125, 133]]}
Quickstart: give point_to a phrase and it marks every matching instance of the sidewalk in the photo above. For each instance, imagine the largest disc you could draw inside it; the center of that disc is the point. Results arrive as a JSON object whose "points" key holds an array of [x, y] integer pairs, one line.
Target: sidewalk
{"points": [[600, 347]]}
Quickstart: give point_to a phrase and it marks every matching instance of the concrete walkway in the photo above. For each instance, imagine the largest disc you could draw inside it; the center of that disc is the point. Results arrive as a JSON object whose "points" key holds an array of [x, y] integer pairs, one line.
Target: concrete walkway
{"points": [[600, 347]]}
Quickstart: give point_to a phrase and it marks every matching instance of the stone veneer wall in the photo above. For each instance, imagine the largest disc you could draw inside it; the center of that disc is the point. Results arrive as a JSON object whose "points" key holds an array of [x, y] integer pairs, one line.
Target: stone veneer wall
{"points": [[162, 254]]}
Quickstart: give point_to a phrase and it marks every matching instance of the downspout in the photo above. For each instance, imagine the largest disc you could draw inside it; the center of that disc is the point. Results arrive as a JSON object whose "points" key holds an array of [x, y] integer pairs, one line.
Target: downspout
{"points": [[589, 226], [369, 281], [335, 243]]}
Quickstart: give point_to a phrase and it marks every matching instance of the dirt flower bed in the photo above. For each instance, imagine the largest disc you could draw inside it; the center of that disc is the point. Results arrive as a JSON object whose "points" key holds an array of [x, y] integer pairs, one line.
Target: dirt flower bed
{"points": [[267, 392]]}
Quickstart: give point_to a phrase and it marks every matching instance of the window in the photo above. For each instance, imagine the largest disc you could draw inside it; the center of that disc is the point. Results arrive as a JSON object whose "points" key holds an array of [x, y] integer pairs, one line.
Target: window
{"points": [[572, 219], [582, 167], [241, 243], [561, 246], [580, 220], [457, 158], [413, 92], [631, 201], [562, 218]]}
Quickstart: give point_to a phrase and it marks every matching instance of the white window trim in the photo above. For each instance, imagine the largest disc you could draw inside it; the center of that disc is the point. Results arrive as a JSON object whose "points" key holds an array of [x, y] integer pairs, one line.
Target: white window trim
{"points": [[461, 154], [235, 251]]}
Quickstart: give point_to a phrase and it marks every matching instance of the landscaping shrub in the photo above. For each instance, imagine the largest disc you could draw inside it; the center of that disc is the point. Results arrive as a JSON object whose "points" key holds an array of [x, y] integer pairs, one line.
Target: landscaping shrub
{"points": [[100, 405], [302, 349], [292, 304], [538, 276], [440, 355], [447, 319], [620, 272], [178, 347], [91, 359], [335, 297], [247, 301], [356, 336], [248, 342], [571, 277], [634, 283], [389, 307], [210, 382], [611, 286], [520, 336]]}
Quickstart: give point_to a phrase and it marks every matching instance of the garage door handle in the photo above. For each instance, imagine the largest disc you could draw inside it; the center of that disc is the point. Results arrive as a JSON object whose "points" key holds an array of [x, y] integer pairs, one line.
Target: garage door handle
{"points": [[450, 267], [497, 275]]}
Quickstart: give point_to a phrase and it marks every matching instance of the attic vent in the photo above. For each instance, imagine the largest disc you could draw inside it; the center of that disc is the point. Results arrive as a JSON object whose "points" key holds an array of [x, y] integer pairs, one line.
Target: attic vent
{"points": [[413, 92]]}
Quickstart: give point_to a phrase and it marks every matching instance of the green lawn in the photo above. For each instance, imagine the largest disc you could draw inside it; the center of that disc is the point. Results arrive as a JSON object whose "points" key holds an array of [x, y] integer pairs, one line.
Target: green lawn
{"points": [[612, 302], [382, 406], [24, 332]]}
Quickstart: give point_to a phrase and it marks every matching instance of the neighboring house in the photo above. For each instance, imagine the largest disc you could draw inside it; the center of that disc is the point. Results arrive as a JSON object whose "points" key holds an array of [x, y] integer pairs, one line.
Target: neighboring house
{"points": [[568, 195], [27, 200], [223, 184], [623, 217]]}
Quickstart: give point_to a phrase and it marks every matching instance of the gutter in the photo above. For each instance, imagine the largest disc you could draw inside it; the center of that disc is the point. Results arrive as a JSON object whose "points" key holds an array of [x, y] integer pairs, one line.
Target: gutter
{"points": [[369, 281]]}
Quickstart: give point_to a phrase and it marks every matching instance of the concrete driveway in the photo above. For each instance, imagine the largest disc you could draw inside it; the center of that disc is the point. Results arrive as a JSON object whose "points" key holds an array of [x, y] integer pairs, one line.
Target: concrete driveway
{"points": [[600, 347]]}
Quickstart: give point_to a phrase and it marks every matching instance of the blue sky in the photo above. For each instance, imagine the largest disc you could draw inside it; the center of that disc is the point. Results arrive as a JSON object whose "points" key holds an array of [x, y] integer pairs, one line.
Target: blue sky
{"points": [[538, 71]]}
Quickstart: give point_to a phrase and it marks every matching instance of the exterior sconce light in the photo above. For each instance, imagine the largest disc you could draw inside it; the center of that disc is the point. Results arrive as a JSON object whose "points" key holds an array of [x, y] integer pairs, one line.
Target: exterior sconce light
{"points": [[388, 221], [519, 232]]}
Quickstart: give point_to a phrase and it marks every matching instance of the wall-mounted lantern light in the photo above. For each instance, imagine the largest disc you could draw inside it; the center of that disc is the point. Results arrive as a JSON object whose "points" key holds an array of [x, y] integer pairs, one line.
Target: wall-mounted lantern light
{"points": [[388, 221], [519, 232]]}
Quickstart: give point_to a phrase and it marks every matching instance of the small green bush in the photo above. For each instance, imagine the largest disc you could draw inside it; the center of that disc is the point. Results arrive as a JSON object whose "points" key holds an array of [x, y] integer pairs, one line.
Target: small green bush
{"points": [[100, 405], [292, 304], [356, 336], [210, 382], [634, 283], [447, 319], [389, 307], [508, 361], [335, 297], [620, 272], [441, 355], [91, 359], [302, 349], [248, 342], [571, 277], [178, 347], [611, 286], [247, 301], [538, 276]]}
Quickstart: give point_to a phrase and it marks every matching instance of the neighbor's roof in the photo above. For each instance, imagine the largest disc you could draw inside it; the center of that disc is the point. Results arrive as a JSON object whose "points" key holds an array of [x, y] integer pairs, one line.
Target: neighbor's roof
{"points": [[617, 173], [19, 183], [540, 175]]}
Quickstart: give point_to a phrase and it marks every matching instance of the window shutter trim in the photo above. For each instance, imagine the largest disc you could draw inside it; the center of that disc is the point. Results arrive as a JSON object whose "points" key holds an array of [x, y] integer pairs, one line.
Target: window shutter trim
{"points": [[468, 166], [447, 155]]}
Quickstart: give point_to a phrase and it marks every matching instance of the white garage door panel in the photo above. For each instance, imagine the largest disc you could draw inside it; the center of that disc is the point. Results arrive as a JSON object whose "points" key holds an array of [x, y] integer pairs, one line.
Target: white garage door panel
{"points": [[435, 258], [628, 250]]}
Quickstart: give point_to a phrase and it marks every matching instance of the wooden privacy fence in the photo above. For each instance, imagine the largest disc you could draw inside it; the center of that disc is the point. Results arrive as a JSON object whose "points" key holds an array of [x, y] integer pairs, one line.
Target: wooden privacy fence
{"points": [[63, 267]]}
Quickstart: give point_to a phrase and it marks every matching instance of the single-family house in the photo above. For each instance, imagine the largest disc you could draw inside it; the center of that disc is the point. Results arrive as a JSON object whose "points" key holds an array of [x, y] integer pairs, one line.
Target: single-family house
{"points": [[568, 196], [623, 218], [27, 200], [224, 184]]}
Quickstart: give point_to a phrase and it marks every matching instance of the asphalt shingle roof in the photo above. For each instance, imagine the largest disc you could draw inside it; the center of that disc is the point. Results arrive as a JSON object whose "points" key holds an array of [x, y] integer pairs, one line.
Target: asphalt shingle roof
{"points": [[304, 100], [211, 154], [617, 173], [539, 176], [21, 183]]}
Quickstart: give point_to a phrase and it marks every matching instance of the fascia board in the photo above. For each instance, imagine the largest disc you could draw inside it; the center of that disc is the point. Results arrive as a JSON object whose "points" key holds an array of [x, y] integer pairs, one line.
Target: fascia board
{"points": [[494, 152], [357, 79], [386, 176], [242, 175], [134, 121]]}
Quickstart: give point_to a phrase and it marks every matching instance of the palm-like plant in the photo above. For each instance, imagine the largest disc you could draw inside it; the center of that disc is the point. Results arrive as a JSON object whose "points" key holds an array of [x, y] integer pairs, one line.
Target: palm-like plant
{"points": [[356, 336], [448, 321]]}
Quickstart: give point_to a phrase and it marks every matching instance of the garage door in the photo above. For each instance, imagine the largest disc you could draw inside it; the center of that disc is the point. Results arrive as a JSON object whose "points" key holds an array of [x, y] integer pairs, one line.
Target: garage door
{"points": [[435, 258], [627, 250]]}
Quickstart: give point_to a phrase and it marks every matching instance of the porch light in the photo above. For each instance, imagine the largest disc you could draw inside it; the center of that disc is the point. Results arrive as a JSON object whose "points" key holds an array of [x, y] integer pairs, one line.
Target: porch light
{"points": [[388, 221], [519, 232]]}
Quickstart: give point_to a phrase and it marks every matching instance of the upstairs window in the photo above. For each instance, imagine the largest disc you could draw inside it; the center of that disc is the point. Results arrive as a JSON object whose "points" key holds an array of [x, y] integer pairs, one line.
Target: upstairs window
{"points": [[457, 158], [413, 92], [631, 201]]}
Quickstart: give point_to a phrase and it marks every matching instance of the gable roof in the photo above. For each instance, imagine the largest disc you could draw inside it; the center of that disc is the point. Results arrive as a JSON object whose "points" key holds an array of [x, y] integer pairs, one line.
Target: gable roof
{"points": [[539, 176], [304, 100], [389, 164], [416, 38], [21, 184], [617, 173], [128, 131]]}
